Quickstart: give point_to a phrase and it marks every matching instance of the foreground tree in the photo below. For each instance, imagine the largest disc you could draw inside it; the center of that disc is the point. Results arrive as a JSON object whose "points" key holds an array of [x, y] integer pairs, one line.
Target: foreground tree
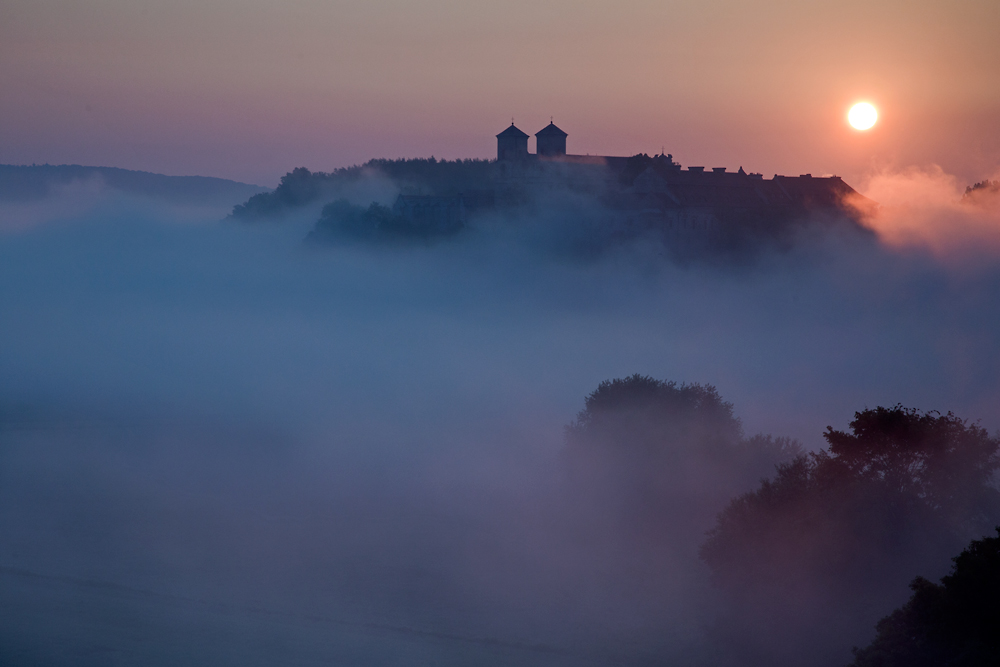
{"points": [[661, 459], [954, 624], [813, 556], [648, 465]]}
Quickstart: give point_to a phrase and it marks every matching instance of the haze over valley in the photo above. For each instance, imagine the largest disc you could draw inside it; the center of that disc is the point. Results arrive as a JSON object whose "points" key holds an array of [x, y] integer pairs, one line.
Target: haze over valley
{"points": [[356, 452], [377, 334]]}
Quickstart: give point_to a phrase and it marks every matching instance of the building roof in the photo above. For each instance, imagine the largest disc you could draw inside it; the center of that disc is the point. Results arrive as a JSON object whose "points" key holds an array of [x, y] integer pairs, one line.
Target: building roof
{"points": [[551, 130], [739, 190], [512, 132]]}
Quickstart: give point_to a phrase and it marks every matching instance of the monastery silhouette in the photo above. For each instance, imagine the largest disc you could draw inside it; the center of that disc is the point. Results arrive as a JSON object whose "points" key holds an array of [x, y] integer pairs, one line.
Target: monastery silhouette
{"points": [[653, 191]]}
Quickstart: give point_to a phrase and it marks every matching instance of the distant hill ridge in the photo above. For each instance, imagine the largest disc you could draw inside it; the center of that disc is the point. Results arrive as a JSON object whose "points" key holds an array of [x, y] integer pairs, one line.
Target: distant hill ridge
{"points": [[21, 183]]}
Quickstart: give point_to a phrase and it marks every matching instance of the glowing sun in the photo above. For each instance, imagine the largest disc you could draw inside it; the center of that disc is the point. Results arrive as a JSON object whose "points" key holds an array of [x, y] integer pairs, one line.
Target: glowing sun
{"points": [[862, 116]]}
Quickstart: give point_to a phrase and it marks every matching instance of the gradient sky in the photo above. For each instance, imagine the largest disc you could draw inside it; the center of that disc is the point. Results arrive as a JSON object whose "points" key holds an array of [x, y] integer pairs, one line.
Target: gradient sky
{"points": [[248, 89]]}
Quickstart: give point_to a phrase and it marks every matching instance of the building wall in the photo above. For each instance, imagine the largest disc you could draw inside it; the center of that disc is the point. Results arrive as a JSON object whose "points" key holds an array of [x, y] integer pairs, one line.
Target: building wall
{"points": [[512, 148], [551, 146]]}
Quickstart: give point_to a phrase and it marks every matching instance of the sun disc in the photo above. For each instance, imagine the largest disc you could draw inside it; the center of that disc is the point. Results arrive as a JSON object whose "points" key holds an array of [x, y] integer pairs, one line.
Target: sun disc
{"points": [[862, 116]]}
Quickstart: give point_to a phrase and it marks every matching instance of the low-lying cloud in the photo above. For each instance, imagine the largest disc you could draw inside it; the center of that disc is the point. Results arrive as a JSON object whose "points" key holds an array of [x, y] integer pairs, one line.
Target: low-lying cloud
{"points": [[356, 454], [931, 209]]}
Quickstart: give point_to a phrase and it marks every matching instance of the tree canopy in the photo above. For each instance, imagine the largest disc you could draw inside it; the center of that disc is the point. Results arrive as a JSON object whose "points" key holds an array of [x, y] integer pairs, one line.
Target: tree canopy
{"points": [[952, 624], [834, 532], [666, 453], [301, 187], [625, 409]]}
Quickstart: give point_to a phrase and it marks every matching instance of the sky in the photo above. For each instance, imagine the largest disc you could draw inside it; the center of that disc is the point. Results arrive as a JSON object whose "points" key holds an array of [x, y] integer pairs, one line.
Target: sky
{"points": [[221, 446], [249, 89]]}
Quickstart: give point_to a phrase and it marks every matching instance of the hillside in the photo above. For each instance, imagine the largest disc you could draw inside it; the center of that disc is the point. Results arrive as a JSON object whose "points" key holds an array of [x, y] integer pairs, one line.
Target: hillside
{"points": [[20, 183], [421, 176]]}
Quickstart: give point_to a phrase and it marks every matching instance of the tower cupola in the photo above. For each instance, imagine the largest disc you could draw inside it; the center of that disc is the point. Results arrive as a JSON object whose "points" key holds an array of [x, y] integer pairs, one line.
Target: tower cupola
{"points": [[550, 141], [512, 144]]}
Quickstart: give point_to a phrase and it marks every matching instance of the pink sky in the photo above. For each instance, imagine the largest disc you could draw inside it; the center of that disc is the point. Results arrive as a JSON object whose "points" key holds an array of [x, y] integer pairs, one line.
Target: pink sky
{"points": [[249, 89]]}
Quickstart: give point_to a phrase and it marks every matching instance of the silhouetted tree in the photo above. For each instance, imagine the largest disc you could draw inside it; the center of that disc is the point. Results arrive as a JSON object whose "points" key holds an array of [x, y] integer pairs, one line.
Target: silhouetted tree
{"points": [[436, 177], [341, 218], [297, 188], [987, 186], [816, 551], [667, 456], [301, 187], [649, 464], [954, 624], [342, 221], [938, 459]]}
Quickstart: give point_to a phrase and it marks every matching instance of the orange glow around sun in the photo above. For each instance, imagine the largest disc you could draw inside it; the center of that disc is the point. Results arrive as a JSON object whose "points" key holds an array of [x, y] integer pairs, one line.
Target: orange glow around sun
{"points": [[862, 116]]}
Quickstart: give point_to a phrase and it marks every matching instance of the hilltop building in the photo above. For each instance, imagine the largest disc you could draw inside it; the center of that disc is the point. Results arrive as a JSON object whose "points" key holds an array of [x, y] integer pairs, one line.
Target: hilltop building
{"points": [[659, 184], [550, 141], [512, 145], [650, 191]]}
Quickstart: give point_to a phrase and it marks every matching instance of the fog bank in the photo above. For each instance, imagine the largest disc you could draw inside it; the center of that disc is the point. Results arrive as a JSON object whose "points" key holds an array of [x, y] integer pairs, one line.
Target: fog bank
{"points": [[215, 437]]}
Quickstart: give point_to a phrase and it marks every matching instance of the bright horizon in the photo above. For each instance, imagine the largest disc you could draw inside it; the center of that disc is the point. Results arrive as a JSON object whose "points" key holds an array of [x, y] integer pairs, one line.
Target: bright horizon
{"points": [[248, 89]]}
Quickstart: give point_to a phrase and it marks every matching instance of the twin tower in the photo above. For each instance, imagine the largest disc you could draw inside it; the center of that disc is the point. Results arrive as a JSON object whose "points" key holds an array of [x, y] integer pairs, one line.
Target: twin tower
{"points": [[512, 143]]}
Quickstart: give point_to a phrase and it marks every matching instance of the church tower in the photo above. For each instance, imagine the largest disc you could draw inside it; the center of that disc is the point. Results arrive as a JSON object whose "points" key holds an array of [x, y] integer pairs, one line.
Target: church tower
{"points": [[512, 144], [551, 141]]}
